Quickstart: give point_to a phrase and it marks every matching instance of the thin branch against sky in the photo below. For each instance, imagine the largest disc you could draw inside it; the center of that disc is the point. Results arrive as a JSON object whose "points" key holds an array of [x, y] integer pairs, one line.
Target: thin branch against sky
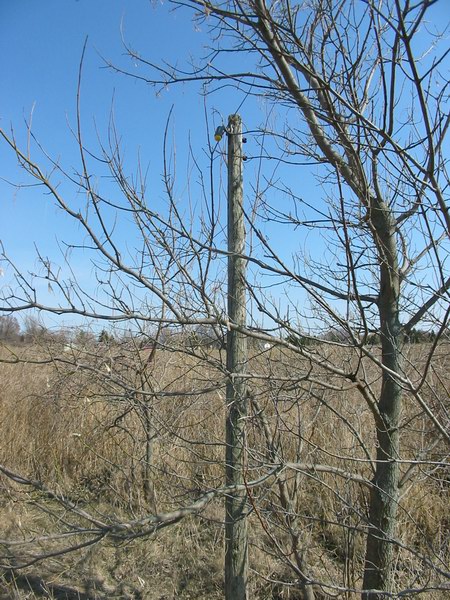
{"points": [[39, 92], [40, 81]]}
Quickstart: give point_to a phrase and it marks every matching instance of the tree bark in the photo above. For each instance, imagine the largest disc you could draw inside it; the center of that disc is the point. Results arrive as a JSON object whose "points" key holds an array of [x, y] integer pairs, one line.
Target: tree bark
{"points": [[378, 571]]}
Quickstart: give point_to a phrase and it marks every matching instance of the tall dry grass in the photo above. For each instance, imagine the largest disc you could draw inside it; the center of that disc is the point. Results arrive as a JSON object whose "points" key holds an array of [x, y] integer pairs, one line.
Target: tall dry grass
{"points": [[122, 437]]}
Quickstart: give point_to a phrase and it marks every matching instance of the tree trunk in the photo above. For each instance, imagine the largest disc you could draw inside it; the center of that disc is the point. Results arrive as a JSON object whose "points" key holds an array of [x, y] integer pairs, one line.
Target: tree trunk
{"points": [[148, 487], [378, 571]]}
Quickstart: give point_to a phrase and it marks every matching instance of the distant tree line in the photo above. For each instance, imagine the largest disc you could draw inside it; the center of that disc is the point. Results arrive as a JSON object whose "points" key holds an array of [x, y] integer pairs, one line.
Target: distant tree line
{"points": [[32, 330], [415, 336]]}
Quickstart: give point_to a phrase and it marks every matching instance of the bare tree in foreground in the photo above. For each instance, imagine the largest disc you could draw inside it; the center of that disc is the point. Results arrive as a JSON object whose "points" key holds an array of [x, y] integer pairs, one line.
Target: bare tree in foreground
{"points": [[362, 96], [361, 92]]}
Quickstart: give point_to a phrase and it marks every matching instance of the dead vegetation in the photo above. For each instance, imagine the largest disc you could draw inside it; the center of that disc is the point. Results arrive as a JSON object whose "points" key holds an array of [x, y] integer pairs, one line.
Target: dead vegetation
{"points": [[121, 438]]}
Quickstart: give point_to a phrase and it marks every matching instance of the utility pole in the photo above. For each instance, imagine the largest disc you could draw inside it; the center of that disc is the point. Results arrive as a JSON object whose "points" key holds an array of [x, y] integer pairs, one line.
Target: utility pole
{"points": [[236, 543]]}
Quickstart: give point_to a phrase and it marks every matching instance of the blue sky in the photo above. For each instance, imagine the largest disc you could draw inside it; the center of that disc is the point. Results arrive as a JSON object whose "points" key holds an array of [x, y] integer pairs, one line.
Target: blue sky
{"points": [[41, 43], [40, 49]]}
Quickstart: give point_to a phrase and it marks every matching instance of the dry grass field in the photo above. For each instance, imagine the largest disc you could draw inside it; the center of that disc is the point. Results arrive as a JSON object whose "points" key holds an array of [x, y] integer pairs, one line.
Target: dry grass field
{"points": [[114, 436]]}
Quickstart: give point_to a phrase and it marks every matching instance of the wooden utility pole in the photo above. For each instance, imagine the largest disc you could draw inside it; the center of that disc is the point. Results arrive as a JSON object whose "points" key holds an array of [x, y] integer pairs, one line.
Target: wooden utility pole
{"points": [[236, 544]]}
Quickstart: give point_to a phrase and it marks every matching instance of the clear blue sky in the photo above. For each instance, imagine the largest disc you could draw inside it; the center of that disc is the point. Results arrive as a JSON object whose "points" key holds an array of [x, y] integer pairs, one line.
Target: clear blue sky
{"points": [[40, 48]]}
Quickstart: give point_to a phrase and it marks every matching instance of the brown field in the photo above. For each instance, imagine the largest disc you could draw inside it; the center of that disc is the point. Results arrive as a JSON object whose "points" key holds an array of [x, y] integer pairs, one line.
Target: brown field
{"points": [[121, 438]]}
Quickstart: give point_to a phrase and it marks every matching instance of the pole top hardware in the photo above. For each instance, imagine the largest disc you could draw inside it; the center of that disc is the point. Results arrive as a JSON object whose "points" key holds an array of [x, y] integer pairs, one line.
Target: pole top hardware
{"points": [[221, 129]]}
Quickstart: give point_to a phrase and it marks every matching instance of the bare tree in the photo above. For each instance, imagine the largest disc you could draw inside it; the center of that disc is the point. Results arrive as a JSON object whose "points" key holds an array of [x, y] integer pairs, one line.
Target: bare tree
{"points": [[365, 96], [9, 328], [360, 91]]}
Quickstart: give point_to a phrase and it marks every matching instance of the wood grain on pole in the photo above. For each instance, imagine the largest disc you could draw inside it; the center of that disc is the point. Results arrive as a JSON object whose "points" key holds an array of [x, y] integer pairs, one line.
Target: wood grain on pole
{"points": [[236, 545]]}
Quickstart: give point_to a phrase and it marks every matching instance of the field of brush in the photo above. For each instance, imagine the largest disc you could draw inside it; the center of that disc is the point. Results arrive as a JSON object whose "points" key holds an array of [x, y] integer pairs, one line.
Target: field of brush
{"points": [[114, 435]]}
